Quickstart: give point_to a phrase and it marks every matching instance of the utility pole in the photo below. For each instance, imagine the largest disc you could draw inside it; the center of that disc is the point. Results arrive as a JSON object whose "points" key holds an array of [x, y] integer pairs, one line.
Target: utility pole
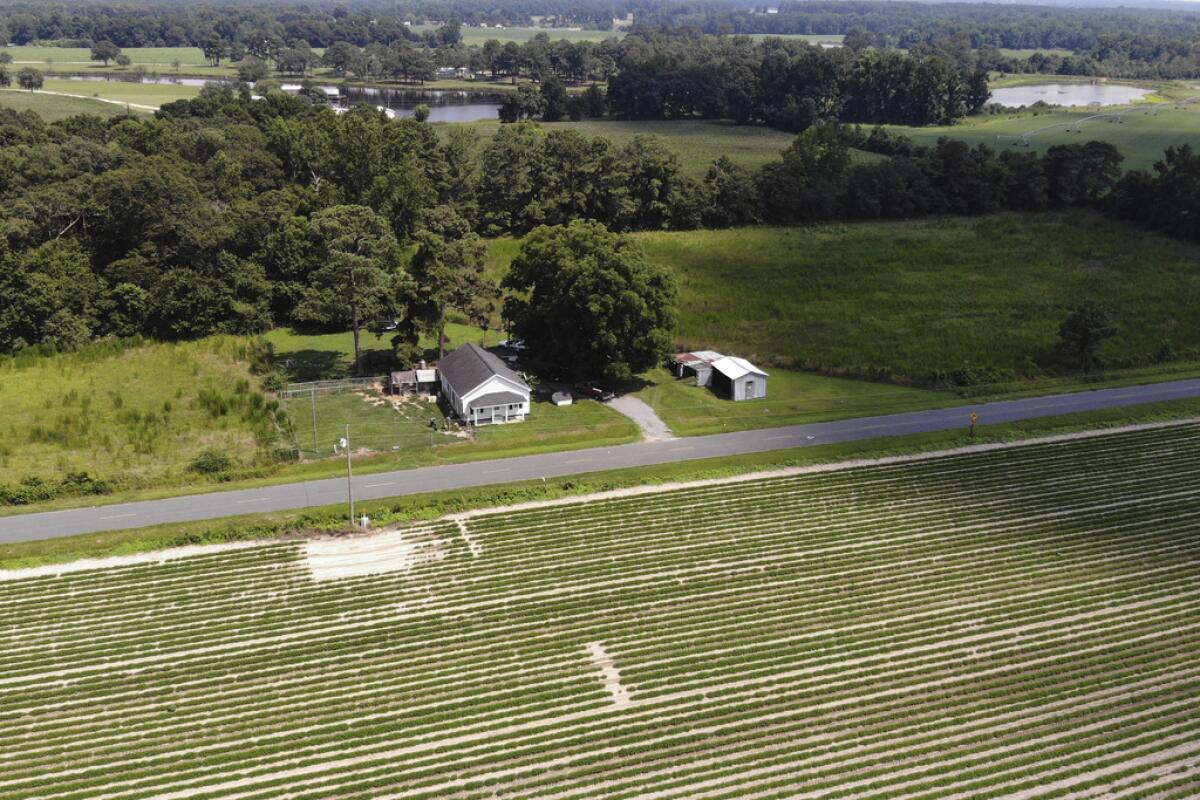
{"points": [[349, 477]]}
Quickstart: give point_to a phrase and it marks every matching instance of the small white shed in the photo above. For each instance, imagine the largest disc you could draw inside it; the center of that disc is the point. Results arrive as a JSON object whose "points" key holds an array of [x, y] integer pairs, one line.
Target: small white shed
{"points": [[740, 379]]}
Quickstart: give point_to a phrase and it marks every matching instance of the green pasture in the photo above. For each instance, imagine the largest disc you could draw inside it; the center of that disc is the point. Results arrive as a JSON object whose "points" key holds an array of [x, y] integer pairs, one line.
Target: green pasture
{"points": [[162, 57], [1141, 134], [697, 142], [159, 60], [130, 414], [911, 298], [472, 35], [907, 299], [137, 94], [811, 38], [54, 107], [1026, 53]]}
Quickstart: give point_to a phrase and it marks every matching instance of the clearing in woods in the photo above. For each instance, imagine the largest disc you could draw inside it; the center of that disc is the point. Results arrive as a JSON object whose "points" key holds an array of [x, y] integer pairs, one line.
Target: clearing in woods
{"points": [[1005, 623], [1141, 133]]}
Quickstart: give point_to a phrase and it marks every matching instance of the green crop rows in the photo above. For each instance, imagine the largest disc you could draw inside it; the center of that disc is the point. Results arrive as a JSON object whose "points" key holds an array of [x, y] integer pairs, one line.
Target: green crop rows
{"points": [[1010, 623]]}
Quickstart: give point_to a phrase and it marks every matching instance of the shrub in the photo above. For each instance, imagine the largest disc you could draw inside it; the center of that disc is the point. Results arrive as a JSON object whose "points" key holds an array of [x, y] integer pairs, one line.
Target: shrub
{"points": [[274, 381], [83, 483], [211, 462]]}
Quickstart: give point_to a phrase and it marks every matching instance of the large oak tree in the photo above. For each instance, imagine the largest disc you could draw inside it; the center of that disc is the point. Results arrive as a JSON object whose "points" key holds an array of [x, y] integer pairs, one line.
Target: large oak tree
{"points": [[588, 301]]}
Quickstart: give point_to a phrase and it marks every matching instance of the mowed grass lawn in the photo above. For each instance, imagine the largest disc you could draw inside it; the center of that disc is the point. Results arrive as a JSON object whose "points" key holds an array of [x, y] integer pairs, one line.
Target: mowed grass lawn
{"points": [[1141, 135], [131, 414], [138, 94], [793, 398], [405, 432], [913, 298], [53, 107], [155, 59]]}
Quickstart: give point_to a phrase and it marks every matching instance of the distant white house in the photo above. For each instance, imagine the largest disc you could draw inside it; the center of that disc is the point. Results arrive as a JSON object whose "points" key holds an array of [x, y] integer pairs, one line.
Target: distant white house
{"points": [[480, 388]]}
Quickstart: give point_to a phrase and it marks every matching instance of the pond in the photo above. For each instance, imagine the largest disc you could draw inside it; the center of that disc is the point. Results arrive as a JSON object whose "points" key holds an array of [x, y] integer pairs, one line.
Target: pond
{"points": [[1069, 94], [444, 105]]}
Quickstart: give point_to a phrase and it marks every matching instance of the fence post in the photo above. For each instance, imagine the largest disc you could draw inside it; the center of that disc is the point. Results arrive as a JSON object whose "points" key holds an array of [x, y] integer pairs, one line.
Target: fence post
{"points": [[313, 396]]}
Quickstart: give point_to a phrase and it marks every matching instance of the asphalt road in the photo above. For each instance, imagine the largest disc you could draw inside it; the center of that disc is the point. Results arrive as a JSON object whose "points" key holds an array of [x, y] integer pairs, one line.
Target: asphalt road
{"points": [[552, 465]]}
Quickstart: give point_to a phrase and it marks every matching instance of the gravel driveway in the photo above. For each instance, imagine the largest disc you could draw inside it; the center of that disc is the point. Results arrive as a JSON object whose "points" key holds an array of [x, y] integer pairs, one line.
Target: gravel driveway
{"points": [[653, 428]]}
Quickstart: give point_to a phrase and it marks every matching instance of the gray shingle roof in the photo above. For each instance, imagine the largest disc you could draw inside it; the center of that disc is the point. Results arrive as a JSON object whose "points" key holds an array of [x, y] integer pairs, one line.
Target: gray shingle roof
{"points": [[496, 399], [471, 365]]}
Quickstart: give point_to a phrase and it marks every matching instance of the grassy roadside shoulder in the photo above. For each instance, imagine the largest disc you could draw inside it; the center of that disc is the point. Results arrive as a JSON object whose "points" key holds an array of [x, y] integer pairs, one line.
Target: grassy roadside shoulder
{"points": [[435, 504]]}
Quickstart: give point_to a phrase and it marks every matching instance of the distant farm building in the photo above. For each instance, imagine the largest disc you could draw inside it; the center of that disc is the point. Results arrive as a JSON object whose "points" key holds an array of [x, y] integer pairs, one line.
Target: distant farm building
{"points": [[480, 388], [733, 377]]}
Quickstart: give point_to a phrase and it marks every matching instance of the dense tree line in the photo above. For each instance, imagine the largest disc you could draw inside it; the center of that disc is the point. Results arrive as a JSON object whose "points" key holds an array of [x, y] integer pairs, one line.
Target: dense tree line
{"points": [[815, 179], [226, 214], [905, 24], [787, 84], [1117, 55], [1120, 42], [1167, 199], [897, 24]]}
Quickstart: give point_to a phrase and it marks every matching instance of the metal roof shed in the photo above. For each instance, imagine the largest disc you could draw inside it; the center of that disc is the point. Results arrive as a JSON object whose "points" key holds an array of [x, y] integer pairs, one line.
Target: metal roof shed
{"points": [[698, 363], [741, 379]]}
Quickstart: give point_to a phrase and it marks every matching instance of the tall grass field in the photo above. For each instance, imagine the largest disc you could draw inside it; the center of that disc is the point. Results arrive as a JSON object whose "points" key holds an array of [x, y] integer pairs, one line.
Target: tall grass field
{"points": [[133, 414], [903, 300], [912, 298]]}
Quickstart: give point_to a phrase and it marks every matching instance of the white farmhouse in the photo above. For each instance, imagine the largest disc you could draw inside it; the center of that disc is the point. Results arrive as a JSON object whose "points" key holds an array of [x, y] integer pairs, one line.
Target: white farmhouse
{"points": [[481, 389]]}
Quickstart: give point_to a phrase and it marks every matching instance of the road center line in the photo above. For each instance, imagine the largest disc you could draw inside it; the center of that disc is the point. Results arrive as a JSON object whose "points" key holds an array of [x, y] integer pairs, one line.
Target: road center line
{"points": [[119, 516]]}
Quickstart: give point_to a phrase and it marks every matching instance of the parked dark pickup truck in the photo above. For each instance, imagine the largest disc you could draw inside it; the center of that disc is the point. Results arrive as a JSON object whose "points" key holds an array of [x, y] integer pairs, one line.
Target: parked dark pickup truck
{"points": [[590, 389]]}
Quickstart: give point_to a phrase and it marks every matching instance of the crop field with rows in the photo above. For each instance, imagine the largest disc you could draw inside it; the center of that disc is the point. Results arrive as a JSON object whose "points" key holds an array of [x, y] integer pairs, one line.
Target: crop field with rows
{"points": [[1007, 623]]}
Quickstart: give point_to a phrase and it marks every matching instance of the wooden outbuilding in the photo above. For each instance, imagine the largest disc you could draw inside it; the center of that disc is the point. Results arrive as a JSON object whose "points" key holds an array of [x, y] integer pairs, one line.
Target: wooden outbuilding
{"points": [[412, 382]]}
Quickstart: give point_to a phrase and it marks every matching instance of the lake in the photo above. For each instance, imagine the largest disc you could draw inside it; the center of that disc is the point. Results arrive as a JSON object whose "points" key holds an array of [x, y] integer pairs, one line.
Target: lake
{"points": [[444, 105], [1069, 94]]}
